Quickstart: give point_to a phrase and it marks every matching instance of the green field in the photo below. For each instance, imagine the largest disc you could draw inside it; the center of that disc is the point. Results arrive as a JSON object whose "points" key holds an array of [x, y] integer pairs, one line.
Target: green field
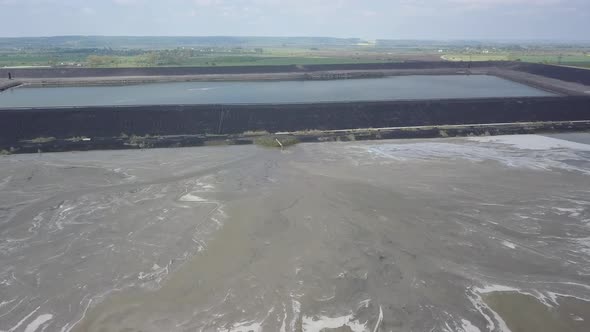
{"points": [[577, 60], [222, 60], [170, 58], [104, 51]]}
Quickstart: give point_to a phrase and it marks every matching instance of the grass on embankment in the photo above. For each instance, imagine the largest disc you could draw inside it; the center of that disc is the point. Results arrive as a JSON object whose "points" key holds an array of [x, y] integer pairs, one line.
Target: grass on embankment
{"points": [[40, 140], [576, 60], [276, 141]]}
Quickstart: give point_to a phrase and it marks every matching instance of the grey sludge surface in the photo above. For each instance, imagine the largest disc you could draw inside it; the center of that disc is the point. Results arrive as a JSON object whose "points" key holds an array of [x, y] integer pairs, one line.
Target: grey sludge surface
{"points": [[410, 235]]}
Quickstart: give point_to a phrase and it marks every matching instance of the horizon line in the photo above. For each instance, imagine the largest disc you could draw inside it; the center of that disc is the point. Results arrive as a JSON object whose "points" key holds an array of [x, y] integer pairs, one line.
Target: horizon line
{"points": [[495, 39]]}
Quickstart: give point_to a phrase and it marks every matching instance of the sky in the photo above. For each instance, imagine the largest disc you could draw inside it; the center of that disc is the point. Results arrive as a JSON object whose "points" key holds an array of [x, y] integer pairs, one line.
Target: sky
{"points": [[369, 19]]}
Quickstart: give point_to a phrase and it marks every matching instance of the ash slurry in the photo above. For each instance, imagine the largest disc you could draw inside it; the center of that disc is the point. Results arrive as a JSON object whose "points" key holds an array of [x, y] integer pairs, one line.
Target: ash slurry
{"points": [[418, 235]]}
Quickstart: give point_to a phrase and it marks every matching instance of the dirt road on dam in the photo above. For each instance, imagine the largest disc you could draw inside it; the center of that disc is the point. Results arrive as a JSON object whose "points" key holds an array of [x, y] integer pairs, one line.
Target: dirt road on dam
{"points": [[418, 235]]}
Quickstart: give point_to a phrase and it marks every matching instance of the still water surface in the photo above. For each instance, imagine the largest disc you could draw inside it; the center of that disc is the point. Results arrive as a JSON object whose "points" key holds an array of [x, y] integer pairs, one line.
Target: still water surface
{"points": [[389, 88]]}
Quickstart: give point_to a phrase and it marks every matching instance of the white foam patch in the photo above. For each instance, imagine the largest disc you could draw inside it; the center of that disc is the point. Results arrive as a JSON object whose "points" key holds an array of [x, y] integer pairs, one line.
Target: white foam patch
{"points": [[192, 198], [22, 321], [505, 154], [585, 244], [197, 187], [5, 181], [34, 325], [284, 322], [154, 278], [468, 327], [490, 315], [496, 288], [125, 174], [318, 324], [379, 320], [427, 150], [250, 326], [296, 310], [509, 244], [553, 296], [571, 212], [532, 142], [364, 303]]}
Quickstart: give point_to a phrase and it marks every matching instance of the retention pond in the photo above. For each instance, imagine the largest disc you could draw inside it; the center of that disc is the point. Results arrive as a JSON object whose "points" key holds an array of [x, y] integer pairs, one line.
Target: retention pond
{"points": [[389, 88]]}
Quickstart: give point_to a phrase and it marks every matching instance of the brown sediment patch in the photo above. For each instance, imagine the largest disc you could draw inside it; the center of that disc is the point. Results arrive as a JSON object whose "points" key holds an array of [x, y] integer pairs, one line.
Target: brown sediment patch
{"points": [[523, 313]]}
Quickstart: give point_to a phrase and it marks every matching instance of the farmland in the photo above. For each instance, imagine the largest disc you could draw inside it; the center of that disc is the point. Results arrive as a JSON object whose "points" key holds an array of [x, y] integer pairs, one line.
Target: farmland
{"points": [[108, 52]]}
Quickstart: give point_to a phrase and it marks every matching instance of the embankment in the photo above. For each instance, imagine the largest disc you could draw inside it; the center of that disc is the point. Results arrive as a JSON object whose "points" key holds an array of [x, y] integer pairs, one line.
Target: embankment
{"points": [[27, 73], [19, 125], [566, 74], [558, 79], [109, 127], [7, 84]]}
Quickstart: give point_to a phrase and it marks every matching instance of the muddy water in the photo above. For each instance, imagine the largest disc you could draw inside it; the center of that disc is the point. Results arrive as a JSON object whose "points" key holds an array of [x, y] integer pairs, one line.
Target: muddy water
{"points": [[525, 313], [417, 235]]}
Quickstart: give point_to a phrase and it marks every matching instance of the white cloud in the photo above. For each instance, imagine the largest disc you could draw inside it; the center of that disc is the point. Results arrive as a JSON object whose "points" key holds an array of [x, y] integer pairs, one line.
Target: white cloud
{"points": [[447, 19], [127, 2]]}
